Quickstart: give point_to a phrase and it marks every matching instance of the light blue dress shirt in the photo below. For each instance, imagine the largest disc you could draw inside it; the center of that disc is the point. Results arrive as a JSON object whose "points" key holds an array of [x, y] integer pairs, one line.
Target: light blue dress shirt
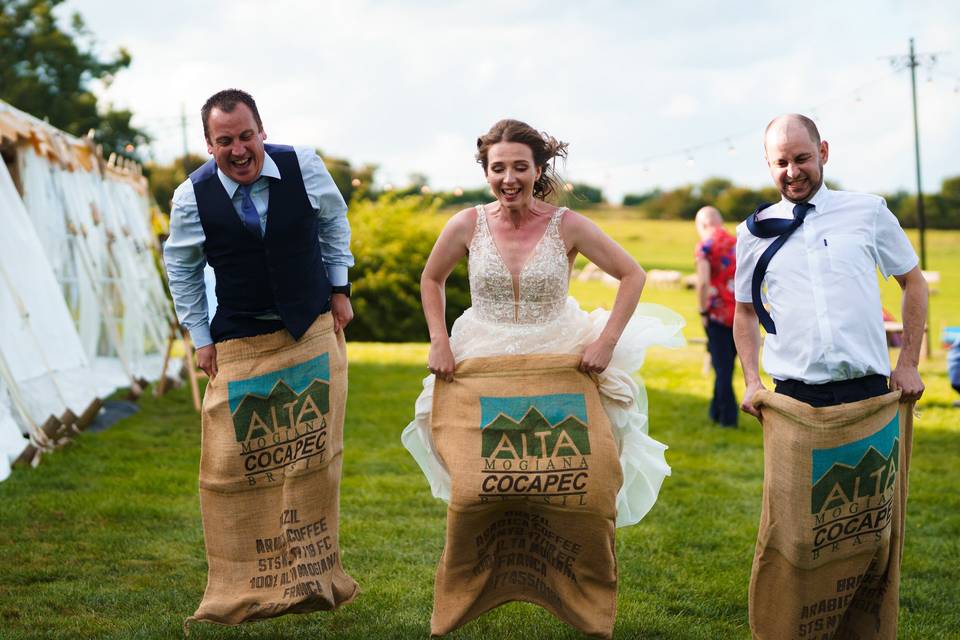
{"points": [[184, 255]]}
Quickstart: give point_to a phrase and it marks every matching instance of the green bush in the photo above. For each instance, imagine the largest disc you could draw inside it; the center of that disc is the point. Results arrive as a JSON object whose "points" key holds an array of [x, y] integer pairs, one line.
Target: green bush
{"points": [[942, 210], [638, 199], [392, 238]]}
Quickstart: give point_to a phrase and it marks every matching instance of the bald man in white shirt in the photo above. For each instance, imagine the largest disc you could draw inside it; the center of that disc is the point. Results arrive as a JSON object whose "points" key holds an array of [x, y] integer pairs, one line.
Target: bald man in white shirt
{"points": [[825, 342]]}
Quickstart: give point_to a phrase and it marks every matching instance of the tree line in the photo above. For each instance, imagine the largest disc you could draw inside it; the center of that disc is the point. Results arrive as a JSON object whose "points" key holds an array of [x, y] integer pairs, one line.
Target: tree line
{"points": [[46, 70], [736, 202], [942, 209]]}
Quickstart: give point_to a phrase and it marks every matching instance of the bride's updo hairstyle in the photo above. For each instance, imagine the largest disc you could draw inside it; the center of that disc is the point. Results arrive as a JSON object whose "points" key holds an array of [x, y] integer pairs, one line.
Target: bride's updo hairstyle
{"points": [[544, 147]]}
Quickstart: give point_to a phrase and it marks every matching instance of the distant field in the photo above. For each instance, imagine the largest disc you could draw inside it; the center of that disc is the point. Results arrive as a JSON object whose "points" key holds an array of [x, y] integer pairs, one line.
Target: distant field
{"points": [[668, 244]]}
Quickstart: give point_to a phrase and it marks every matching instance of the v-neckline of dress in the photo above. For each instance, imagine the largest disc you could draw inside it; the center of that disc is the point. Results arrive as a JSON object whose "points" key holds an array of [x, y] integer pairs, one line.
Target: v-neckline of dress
{"points": [[515, 279]]}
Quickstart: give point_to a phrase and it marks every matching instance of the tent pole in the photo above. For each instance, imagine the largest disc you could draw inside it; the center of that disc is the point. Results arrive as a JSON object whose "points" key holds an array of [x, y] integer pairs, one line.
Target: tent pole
{"points": [[75, 229], [37, 437], [191, 369], [155, 335], [106, 308], [162, 383]]}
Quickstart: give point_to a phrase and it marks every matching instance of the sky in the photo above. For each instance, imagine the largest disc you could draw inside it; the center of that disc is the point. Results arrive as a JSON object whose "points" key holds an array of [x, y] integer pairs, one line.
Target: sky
{"points": [[647, 94]]}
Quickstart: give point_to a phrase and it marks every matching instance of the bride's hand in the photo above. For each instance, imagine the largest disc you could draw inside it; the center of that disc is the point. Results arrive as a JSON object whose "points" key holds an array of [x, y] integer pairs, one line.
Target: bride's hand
{"points": [[596, 357], [441, 361]]}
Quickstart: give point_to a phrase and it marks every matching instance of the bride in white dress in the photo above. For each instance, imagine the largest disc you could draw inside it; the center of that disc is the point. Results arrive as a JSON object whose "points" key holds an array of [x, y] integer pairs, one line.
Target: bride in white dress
{"points": [[520, 253]]}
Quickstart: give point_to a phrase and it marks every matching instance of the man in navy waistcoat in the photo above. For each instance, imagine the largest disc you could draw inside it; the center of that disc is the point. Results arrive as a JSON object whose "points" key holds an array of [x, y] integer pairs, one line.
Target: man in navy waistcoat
{"points": [[272, 224]]}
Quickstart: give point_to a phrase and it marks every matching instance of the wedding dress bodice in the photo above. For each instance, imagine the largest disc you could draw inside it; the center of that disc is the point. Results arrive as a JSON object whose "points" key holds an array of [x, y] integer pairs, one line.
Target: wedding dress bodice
{"points": [[543, 281]]}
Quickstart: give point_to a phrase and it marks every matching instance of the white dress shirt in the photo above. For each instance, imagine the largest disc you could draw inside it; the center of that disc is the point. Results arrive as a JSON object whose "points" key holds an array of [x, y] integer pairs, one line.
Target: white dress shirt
{"points": [[183, 252], [822, 286]]}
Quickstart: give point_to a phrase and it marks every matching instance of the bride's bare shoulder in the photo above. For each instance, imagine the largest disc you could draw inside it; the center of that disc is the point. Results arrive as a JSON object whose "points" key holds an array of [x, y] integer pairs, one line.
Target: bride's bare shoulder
{"points": [[461, 224], [464, 218], [574, 222]]}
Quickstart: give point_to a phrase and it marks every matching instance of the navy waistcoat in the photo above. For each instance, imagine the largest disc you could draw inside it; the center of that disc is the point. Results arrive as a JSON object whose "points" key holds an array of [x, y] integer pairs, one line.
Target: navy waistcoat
{"points": [[282, 273]]}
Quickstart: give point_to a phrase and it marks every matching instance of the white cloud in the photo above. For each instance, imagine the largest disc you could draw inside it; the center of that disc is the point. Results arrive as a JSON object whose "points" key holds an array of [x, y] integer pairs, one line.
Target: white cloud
{"points": [[681, 105], [410, 85]]}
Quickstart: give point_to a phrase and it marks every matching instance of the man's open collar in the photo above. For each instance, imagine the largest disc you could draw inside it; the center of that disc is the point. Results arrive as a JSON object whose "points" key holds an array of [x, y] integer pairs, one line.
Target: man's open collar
{"points": [[818, 200]]}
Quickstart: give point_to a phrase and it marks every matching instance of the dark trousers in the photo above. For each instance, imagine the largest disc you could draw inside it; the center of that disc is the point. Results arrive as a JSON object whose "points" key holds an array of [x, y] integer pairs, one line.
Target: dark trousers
{"points": [[723, 406], [833, 393]]}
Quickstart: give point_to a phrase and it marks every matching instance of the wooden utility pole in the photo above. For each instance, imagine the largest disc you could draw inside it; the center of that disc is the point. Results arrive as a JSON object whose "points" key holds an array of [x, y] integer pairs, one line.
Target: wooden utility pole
{"points": [[914, 60], [921, 217]]}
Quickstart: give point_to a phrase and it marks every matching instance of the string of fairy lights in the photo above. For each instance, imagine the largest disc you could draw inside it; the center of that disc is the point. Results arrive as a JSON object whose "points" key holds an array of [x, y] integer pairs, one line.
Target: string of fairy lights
{"points": [[728, 143]]}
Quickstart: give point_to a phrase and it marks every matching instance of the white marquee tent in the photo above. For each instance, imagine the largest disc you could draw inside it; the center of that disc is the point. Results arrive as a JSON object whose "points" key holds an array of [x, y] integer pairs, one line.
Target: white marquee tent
{"points": [[83, 309]]}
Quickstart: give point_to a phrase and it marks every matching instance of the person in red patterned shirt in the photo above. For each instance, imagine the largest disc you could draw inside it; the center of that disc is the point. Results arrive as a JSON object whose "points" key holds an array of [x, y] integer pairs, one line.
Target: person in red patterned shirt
{"points": [[716, 261]]}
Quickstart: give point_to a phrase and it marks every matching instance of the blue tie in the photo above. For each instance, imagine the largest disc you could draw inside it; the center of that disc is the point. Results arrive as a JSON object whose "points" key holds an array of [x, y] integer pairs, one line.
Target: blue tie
{"points": [[251, 219], [771, 228]]}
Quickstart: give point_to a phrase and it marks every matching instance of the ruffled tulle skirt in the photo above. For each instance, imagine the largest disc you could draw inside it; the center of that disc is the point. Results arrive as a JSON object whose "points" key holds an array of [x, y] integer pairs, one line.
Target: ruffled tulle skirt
{"points": [[623, 396]]}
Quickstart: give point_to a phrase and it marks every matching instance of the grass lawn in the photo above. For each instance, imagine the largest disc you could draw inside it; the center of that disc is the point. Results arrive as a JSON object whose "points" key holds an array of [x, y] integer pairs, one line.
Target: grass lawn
{"points": [[104, 540]]}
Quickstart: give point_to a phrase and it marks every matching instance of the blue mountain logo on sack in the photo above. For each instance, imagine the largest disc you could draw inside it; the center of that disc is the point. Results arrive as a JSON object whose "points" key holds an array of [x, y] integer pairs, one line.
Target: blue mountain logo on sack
{"points": [[852, 490], [535, 448], [280, 419]]}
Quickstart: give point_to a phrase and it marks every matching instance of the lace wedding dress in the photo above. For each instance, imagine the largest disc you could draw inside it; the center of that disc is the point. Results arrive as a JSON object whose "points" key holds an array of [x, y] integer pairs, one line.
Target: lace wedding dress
{"points": [[542, 319]]}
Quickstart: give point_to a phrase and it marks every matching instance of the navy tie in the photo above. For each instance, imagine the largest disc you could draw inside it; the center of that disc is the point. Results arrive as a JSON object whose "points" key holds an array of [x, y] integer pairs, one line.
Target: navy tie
{"points": [[781, 229], [251, 219]]}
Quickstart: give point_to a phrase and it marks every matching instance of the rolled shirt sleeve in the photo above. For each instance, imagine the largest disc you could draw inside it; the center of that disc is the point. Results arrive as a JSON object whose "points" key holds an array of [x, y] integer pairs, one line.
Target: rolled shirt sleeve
{"points": [[184, 259], [334, 228]]}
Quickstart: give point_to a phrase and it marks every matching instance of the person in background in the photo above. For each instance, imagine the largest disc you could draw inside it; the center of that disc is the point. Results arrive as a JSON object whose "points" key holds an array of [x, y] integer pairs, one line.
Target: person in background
{"points": [[716, 263]]}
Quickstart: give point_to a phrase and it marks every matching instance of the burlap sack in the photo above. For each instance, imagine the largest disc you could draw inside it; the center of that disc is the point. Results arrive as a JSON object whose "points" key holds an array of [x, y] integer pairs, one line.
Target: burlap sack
{"points": [[270, 476], [827, 563], [534, 478]]}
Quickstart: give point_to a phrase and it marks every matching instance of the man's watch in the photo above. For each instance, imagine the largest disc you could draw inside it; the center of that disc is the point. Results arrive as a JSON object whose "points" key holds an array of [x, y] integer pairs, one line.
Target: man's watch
{"points": [[344, 289]]}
